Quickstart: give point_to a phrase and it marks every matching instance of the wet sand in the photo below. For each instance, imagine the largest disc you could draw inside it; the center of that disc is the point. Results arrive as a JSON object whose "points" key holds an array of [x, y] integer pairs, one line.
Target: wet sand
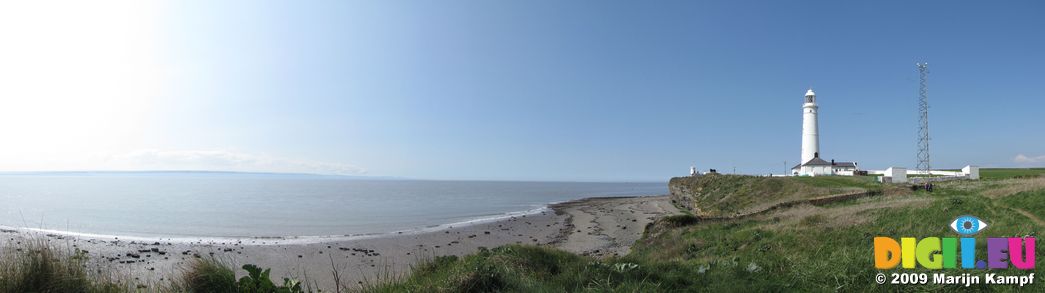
{"points": [[597, 227]]}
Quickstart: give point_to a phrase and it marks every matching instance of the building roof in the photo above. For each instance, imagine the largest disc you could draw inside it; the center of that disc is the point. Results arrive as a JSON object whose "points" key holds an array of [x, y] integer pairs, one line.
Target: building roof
{"points": [[817, 161], [845, 164], [810, 92]]}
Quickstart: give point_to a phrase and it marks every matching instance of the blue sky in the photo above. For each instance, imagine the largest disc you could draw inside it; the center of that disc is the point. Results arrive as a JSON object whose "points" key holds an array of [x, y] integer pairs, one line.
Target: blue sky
{"points": [[518, 90]]}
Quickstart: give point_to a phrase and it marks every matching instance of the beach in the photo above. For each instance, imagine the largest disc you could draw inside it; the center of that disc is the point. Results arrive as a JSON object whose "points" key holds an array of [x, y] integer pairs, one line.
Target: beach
{"points": [[598, 227]]}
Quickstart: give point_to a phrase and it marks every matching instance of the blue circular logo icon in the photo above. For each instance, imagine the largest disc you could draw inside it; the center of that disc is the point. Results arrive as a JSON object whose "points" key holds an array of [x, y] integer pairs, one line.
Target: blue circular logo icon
{"points": [[968, 225]]}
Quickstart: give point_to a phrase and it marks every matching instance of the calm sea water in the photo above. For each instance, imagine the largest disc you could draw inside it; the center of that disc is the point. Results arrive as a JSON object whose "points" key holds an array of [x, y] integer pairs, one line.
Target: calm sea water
{"points": [[236, 206]]}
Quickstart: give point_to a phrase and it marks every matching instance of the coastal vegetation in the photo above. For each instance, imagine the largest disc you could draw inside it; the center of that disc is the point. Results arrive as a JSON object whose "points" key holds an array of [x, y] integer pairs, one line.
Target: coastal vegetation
{"points": [[37, 266], [207, 275], [802, 248], [518, 268], [809, 246], [827, 248], [719, 195]]}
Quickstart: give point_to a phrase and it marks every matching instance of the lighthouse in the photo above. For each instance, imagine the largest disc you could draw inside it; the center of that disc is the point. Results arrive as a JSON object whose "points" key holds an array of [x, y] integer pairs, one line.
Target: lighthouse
{"points": [[812, 163], [810, 132]]}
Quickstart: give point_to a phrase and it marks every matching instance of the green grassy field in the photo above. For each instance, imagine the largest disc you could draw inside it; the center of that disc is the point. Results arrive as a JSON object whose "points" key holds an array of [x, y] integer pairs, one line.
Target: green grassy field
{"points": [[729, 195], [804, 248], [1030, 201], [825, 248], [1004, 173]]}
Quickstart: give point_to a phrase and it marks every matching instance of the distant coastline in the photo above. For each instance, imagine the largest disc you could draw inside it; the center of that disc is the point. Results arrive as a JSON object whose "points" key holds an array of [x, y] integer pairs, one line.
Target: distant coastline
{"points": [[194, 173]]}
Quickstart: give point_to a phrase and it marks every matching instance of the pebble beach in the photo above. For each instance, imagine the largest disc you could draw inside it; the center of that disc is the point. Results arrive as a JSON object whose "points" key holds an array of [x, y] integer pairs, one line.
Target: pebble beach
{"points": [[598, 227]]}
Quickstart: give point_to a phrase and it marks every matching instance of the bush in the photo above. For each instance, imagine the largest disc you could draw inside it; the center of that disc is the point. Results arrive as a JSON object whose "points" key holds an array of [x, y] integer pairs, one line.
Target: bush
{"points": [[213, 275], [482, 277], [257, 280], [208, 275], [680, 220], [37, 267]]}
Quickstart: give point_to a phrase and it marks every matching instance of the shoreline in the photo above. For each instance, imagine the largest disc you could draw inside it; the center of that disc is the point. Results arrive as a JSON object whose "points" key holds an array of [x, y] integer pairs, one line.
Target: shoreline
{"points": [[308, 239], [598, 227], [276, 240]]}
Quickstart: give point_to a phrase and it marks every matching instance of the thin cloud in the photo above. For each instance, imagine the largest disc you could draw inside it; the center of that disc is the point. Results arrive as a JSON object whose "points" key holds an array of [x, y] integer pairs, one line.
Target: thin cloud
{"points": [[223, 160], [1023, 159]]}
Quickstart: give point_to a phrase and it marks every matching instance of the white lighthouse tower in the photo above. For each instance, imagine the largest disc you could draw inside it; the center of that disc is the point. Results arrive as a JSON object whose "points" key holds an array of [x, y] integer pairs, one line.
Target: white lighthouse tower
{"points": [[812, 163], [810, 133]]}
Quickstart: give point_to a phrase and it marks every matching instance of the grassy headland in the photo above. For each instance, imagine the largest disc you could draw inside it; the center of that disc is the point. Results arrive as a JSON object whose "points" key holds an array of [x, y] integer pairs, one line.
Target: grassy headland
{"points": [[828, 248], [718, 195], [801, 248]]}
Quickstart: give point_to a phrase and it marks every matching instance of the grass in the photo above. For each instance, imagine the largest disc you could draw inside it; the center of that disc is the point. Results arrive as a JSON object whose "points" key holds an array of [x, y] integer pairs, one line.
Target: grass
{"points": [[206, 275], [36, 266], [719, 195], [800, 249], [1003, 173], [815, 254], [1030, 201], [516, 268], [816, 249], [839, 182]]}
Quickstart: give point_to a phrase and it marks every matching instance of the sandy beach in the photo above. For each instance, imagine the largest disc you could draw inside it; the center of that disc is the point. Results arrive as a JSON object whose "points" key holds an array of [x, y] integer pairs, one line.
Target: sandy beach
{"points": [[597, 227]]}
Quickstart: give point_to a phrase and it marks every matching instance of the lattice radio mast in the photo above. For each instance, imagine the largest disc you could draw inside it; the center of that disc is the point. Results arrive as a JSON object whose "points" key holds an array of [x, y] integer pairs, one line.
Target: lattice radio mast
{"points": [[923, 119]]}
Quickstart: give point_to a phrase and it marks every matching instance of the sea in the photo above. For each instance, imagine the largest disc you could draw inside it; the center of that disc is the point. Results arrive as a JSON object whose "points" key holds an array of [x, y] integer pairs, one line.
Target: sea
{"points": [[217, 204]]}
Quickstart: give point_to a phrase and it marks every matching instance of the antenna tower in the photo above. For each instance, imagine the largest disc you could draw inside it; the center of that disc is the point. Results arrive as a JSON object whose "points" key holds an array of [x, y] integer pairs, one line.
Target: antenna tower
{"points": [[923, 119]]}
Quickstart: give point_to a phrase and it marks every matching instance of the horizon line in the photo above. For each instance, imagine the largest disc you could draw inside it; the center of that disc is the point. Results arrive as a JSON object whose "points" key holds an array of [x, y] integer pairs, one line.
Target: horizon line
{"points": [[229, 172]]}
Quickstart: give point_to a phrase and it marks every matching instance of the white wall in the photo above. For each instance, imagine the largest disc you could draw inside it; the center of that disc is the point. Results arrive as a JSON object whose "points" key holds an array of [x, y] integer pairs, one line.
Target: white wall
{"points": [[972, 172], [899, 174], [936, 172], [815, 170]]}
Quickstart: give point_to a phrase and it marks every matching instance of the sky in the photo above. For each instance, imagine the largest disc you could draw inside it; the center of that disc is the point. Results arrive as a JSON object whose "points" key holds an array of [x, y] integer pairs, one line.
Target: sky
{"points": [[514, 90]]}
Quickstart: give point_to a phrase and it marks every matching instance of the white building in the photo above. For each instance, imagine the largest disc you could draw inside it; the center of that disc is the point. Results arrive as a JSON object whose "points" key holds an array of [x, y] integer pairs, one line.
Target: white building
{"points": [[899, 174], [810, 128], [894, 175], [971, 172], [812, 164]]}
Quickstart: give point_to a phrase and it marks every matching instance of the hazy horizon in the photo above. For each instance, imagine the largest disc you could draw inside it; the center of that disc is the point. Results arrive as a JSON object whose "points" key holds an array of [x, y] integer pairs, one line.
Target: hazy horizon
{"points": [[283, 174]]}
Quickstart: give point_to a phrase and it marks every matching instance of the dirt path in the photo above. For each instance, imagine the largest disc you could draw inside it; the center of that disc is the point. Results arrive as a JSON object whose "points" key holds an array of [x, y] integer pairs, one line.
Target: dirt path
{"points": [[1031, 217], [1027, 214]]}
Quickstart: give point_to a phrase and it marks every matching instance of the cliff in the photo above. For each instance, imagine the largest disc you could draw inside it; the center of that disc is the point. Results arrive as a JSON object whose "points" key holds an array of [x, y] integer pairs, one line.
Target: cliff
{"points": [[718, 195]]}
